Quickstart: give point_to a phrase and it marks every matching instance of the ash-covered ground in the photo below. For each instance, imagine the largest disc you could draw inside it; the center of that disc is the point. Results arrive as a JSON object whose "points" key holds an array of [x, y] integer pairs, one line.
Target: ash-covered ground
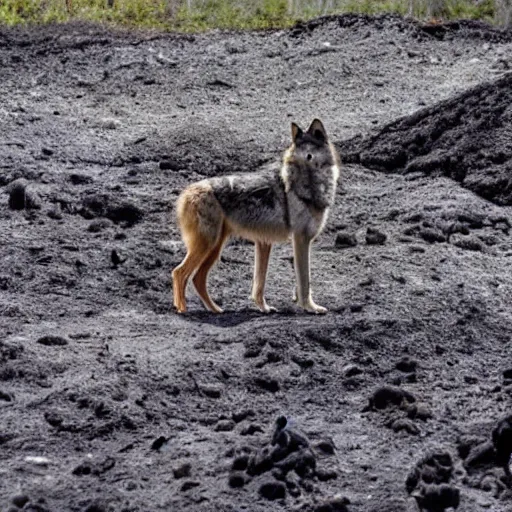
{"points": [[110, 401]]}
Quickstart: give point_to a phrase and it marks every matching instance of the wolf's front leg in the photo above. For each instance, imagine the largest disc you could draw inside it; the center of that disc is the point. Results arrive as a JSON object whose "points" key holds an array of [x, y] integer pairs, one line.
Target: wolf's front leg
{"points": [[261, 258], [301, 260]]}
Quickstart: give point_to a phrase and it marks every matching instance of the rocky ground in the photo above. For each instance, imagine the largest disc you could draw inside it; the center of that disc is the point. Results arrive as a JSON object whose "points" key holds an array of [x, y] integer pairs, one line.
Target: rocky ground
{"points": [[110, 401]]}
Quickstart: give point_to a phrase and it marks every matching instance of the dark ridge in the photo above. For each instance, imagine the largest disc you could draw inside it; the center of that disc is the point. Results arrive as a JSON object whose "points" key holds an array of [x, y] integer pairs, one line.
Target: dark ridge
{"points": [[467, 29], [467, 138]]}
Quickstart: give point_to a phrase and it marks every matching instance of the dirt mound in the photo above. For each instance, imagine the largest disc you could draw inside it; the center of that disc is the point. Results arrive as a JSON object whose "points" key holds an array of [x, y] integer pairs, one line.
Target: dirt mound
{"points": [[468, 29], [56, 38], [285, 464], [467, 138], [429, 482]]}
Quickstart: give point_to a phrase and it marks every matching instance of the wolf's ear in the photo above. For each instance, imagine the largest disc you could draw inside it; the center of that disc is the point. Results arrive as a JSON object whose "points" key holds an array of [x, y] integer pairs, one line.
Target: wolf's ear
{"points": [[317, 130], [297, 132]]}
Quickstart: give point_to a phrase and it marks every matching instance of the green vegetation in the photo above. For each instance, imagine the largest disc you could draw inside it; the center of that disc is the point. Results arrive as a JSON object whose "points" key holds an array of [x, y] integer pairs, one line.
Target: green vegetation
{"points": [[198, 15]]}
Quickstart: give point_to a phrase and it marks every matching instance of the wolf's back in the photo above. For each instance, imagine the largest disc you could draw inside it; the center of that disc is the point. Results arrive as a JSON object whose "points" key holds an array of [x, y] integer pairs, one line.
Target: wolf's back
{"points": [[253, 201]]}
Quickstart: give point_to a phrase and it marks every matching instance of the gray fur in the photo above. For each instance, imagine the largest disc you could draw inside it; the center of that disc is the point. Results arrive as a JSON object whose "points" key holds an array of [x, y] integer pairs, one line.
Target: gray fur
{"points": [[312, 180], [265, 201], [254, 201]]}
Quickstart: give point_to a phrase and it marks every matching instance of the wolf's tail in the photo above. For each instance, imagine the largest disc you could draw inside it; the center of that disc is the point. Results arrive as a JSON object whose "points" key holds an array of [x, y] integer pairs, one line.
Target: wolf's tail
{"points": [[199, 214]]}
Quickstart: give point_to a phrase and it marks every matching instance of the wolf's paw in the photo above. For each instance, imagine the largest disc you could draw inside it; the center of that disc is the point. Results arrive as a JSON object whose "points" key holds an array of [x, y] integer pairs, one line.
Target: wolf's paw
{"points": [[315, 308], [265, 308], [180, 307], [262, 305]]}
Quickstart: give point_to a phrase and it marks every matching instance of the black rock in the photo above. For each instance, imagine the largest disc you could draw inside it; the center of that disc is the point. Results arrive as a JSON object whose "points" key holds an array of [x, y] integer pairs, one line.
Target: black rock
{"points": [[260, 463], [16, 191], [351, 370], [406, 365], [126, 213], [20, 500], [480, 456], [469, 243], [240, 463], [169, 165], [375, 237], [53, 418], [326, 446], [268, 383], [80, 179], [435, 467], [389, 395], [189, 484], [507, 374], [52, 341], [437, 497], [251, 429], [344, 240], [273, 490], [5, 396], [502, 441], [182, 471], [336, 504], [303, 462], [158, 443], [55, 212], [242, 415], [287, 437], [85, 468], [236, 479], [98, 225], [432, 235], [94, 205], [324, 475], [21, 197], [116, 259], [96, 506], [405, 425], [225, 426]]}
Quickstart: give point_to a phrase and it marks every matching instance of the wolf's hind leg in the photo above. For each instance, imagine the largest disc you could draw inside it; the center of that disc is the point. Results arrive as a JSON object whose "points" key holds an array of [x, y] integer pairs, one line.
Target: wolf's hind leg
{"points": [[301, 259], [200, 219], [198, 249], [200, 280], [261, 258]]}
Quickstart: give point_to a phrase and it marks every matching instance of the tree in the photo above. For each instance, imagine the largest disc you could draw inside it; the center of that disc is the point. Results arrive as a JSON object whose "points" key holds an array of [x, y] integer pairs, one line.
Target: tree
{"points": [[503, 12]]}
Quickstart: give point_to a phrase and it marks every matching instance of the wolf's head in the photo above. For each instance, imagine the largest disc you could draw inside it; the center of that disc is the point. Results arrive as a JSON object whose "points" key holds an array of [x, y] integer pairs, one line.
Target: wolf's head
{"points": [[311, 148], [311, 166]]}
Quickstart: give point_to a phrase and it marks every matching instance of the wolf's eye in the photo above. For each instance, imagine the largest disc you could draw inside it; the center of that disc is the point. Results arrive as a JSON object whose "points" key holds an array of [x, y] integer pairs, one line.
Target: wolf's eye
{"points": [[309, 157]]}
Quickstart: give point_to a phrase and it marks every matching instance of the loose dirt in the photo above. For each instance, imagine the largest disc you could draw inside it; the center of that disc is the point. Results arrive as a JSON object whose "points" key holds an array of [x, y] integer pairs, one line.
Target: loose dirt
{"points": [[110, 401]]}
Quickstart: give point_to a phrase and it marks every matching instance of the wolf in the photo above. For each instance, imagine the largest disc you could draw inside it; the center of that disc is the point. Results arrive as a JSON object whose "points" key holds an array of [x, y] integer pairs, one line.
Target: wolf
{"points": [[291, 200]]}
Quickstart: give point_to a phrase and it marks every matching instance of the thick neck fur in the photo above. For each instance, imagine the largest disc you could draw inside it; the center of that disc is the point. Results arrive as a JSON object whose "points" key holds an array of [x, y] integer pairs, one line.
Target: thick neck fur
{"points": [[311, 173]]}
